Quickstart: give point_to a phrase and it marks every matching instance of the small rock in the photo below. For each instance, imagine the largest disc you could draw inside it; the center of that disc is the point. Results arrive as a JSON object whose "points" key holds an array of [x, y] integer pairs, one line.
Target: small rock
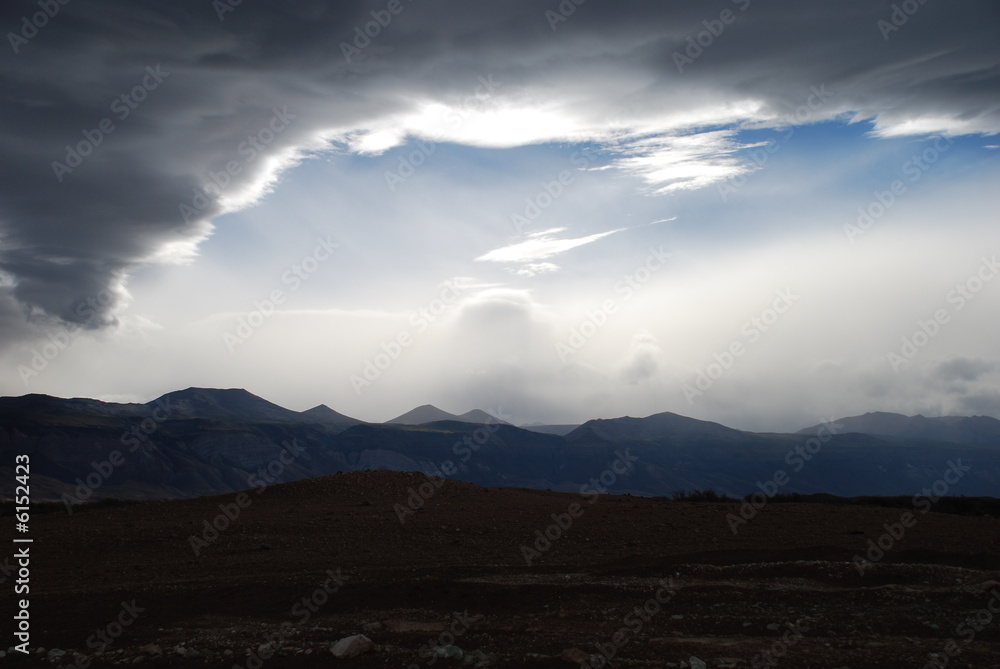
{"points": [[697, 663], [450, 650], [773, 627], [352, 646], [478, 658], [55, 654], [372, 627], [677, 616], [151, 649]]}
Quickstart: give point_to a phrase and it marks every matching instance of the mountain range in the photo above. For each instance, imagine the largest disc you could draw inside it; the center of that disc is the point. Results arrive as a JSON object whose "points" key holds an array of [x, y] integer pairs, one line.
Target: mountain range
{"points": [[955, 429], [204, 441]]}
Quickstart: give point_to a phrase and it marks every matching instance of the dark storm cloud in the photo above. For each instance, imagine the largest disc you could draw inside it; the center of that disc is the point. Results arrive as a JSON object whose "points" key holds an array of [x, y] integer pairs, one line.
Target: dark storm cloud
{"points": [[210, 80]]}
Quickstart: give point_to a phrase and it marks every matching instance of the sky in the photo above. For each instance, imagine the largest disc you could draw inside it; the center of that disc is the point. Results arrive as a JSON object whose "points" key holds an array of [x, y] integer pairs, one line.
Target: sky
{"points": [[761, 213]]}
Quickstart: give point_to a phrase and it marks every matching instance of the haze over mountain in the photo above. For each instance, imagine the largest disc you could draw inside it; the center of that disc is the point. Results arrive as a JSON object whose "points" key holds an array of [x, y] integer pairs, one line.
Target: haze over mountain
{"points": [[202, 441]]}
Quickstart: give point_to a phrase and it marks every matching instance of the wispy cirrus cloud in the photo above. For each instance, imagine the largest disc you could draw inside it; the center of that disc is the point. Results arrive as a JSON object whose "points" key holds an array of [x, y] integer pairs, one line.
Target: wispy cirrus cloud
{"points": [[540, 245], [668, 163]]}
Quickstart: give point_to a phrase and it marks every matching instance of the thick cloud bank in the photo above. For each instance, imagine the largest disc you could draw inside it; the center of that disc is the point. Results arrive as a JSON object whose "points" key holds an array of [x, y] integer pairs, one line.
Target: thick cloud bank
{"points": [[128, 125]]}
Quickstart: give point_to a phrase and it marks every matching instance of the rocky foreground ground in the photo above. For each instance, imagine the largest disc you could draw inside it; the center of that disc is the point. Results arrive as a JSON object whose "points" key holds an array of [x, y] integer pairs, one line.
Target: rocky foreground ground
{"points": [[440, 576]]}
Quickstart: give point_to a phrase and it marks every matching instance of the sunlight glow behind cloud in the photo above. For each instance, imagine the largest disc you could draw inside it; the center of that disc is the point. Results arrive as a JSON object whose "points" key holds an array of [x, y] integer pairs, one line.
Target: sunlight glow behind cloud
{"points": [[475, 111]]}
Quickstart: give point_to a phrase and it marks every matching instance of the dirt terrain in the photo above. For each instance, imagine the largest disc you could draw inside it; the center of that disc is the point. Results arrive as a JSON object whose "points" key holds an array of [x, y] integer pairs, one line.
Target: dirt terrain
{"points": [[646, 582]]}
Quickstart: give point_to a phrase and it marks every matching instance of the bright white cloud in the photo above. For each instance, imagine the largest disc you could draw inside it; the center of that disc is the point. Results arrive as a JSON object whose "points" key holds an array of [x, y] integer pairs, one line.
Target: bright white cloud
{"points": [[541, 245]]}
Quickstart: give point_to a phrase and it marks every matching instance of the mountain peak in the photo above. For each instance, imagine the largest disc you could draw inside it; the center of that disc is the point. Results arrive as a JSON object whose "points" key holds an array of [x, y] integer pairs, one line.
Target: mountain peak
{"points": [[197, 402], [428, 413], [324, 414], [480, 416], [654, 425]]}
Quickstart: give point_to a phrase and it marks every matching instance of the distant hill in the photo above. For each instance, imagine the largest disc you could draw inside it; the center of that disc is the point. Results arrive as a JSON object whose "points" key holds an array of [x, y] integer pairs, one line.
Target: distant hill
{"points": [[426, 413], [680, 453], [429, 413], [197, 441], [654, 426], [480, 416], [228, 403], [36, 405], [203, 441], [954, 429], [324, 414], [241, 404]]}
